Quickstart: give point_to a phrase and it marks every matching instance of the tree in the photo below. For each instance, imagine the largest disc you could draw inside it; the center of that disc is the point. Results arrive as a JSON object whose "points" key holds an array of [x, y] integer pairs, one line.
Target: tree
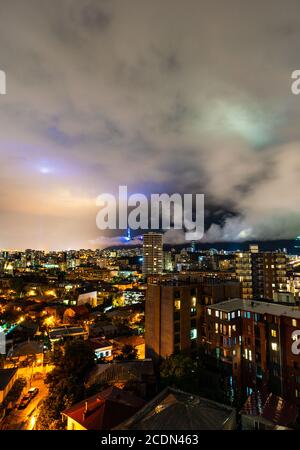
{"points": [[78, 358], [128, 352], [65, 383], [56, 355], [179, 371], [18, 285]]}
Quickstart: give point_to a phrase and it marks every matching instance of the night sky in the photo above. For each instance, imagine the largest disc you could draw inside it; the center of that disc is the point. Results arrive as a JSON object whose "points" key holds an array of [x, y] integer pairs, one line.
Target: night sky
{"points": [[161, 95]]}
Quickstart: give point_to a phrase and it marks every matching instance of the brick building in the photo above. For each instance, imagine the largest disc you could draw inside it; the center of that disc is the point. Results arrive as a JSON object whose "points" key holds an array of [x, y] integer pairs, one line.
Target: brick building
{"points": [[175, 312], [258, 341]]}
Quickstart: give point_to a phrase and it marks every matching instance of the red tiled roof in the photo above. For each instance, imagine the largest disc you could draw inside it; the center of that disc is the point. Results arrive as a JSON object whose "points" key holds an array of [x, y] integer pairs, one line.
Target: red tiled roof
{"points": [[271, 407], [105, 410]]}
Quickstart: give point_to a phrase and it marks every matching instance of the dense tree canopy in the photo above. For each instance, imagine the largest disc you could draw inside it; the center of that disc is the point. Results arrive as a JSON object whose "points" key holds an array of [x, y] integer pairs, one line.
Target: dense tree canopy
{"points": [[65, 382], [129, 352]]}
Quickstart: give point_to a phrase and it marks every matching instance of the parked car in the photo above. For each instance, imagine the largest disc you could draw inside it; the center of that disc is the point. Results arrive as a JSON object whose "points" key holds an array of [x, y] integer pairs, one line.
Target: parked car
{"points": [[24, 402], [33, 392]]}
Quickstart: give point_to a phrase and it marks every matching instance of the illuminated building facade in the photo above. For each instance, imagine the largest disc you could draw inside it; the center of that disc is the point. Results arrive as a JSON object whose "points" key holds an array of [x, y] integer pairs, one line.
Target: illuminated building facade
{"points": [[258, 342], [153, 258], [261, 273]]}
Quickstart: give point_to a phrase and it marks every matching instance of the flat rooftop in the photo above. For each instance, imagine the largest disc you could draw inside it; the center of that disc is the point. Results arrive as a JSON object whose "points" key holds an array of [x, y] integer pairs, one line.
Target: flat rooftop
{"points": [[256, 306], [5, 377], [63, 331]]}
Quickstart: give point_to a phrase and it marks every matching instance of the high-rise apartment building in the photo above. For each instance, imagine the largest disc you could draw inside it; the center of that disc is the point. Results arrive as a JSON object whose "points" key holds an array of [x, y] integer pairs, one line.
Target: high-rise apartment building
{"points": [[260, 273], [174, 313], [153, 257]]}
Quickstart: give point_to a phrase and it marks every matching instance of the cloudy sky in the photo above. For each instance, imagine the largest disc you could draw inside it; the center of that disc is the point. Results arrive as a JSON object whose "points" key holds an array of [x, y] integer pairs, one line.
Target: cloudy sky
{"points": [[163, 96]]}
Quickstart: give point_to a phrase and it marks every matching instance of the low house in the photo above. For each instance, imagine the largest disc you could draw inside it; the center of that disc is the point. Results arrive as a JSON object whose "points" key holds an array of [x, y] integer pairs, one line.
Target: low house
{"points": [[67, 333], [103, 328], [56, 311], [102, 411], [76, 314], [88, 297], [7, 379], [124, 374], [123, 313], [267, 411], [102, 348], [27, 351], [173, 409]]}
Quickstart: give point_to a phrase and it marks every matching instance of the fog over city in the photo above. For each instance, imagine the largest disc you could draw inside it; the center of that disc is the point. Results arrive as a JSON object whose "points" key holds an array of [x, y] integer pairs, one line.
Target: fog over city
{"points": [[161, 96]]}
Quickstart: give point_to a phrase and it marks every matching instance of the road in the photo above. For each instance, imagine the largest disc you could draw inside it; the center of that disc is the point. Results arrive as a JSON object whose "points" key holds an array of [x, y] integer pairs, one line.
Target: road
{"points": [[24, 419]]}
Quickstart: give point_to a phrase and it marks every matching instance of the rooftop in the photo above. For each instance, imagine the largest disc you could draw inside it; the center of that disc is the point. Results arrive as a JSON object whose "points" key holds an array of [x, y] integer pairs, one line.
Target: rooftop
{"points": [[5, 377], [257, 307], [58, 332], [270, 407], [27, 348], [176, 410], [97, 343], [121, 370], [105, 410]]}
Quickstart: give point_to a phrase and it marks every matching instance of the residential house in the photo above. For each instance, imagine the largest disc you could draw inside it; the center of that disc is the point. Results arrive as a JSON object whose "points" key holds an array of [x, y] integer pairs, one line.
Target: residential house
{"points": [[102, 411]]}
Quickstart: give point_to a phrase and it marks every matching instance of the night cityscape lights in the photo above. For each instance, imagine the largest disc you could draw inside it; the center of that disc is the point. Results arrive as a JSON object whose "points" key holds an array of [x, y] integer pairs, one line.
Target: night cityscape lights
{"points": [[149, 222]]}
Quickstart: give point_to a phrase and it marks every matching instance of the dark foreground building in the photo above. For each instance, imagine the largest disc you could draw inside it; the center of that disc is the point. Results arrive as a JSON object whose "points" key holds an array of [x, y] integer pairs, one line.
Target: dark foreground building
{"points": [[173, 409], [175, 313]]}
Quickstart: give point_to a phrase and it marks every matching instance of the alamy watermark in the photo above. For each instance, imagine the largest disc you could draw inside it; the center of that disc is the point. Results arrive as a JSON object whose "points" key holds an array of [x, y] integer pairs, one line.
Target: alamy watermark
{"points": [[162, 211], [2, 82], [296, 343], [295, 86]]}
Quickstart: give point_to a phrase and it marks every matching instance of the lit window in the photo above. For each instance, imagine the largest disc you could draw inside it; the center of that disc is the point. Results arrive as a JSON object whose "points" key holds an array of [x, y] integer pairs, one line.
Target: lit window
{"points": [[294, 322], [217, 314], [177, 304], [193, 302], [193, 333], [274, 346], [250, 355], [209, 311], [217, 327], [233, 315], [273, 333]]}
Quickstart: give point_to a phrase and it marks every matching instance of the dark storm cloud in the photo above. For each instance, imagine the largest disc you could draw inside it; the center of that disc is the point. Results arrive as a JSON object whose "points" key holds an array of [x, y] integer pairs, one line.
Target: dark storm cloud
{"points": [[168, 96]]}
